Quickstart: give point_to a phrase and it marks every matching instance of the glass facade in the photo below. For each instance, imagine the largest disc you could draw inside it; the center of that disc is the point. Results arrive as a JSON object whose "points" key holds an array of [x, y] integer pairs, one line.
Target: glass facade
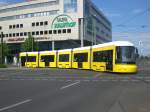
{"points": [[46, 4], [22, 16], [70, 6]]}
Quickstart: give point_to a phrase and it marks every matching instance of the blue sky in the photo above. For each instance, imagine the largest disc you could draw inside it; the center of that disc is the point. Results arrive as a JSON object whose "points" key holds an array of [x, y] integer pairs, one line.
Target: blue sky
{"points": [[125, 25], [134, 27]]}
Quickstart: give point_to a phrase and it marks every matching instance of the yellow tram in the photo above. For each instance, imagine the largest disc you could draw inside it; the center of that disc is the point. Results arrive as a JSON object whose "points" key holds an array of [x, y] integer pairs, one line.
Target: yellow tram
{"points": [[118, 57]]}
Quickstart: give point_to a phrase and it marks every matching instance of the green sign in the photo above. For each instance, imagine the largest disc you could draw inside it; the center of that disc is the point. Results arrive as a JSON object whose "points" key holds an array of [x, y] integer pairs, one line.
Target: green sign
{"points": [[63, 21]]}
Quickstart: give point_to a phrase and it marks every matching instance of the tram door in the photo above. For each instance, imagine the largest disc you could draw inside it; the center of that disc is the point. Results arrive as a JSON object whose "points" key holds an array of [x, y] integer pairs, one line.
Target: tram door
{"points": [[23, 60], [109, 60], [80, 65]]}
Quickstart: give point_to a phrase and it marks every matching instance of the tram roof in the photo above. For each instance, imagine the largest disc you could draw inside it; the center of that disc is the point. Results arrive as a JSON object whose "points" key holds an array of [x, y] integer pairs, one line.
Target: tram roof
{"points": [[32, 52], [65, 50], [82, 48], [48, 51], [115, 43]]}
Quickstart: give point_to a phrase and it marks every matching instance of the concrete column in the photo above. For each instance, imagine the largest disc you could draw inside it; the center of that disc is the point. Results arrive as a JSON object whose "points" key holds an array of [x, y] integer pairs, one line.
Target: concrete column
{"points": [[6, 62], [82, 31], [53, 45], [14, 60]]}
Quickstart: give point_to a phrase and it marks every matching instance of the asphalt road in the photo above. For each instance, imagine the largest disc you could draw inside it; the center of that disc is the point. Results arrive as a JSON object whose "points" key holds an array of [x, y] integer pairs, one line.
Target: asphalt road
{"points": [[61, 90]]}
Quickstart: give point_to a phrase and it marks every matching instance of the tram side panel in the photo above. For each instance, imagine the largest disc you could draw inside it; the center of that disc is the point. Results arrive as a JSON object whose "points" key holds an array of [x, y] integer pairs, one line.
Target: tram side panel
{"points": [[64, 58], [32, 60], [47, 59], [22, 58], [81, 58], [103, 58]]}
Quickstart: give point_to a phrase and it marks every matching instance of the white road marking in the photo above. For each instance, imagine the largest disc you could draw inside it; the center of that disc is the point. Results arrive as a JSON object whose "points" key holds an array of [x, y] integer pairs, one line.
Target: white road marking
{"points": [[97, 75], [15, 105], [64, 87]]}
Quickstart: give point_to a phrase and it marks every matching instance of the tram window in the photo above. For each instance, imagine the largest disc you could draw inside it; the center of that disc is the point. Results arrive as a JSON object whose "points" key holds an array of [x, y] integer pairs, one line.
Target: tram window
{"points": [[81, 57], [31, 59], [64, 58], [49, 58], [102, 56]]}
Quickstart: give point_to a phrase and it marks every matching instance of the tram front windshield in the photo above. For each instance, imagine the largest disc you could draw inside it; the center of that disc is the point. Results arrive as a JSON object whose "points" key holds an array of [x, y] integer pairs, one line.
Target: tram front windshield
{"points": [[126, 55]]}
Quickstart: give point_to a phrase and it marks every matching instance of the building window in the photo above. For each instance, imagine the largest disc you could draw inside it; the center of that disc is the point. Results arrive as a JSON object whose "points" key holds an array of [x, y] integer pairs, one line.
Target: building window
{"points": [[17, 26], [50, 31], [30, 15], [6, 35], [29, 33], [14, 34], [30, 6], [33, 24], [10, 26], [10, 35], [70, 6], [25, 33], [14, 26], [59, 31], [17, 34], [21, 34], [41, 23], [37, 23], [46, 23], [64, 31], [54, 31], [41, 32], [68, 30], [0, 28], [21, 25], [33, 33], [37, 32], [45, 32]]}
